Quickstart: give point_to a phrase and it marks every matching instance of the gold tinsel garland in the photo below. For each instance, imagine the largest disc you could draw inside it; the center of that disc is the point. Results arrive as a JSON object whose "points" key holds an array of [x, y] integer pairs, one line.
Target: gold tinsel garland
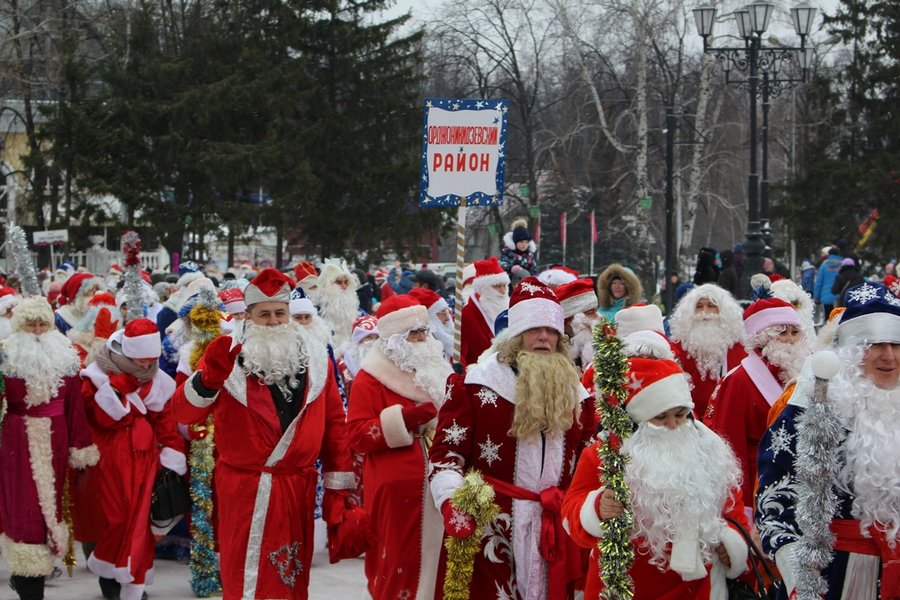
{"points": [[69, 559], [477, 499], [610, 376]]}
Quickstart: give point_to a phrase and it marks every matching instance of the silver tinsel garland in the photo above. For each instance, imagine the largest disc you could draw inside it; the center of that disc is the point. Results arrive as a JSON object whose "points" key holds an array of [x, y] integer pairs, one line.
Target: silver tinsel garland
{"points": [[819, 432], [17, 244], [134, 284]]}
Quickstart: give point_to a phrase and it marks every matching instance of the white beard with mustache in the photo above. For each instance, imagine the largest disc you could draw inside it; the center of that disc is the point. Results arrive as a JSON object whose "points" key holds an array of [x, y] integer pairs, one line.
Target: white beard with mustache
{"points": [[42, 361], [339, 308], [5, 328], [356, 354], [424, 359], [707, 342], [275, 353], [582, 339], [871, 469], [319, 330], [492, 303], [678, 478], [788, 357]]}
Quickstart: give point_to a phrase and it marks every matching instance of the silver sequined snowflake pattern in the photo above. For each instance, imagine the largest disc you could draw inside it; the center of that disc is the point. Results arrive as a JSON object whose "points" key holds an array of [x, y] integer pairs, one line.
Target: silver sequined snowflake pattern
{"points": [[455, 433], [448, 392], [529, 287], [287, 560], [781, 441], [487, 396], [490, 451], [891, 298], [863, 294], [635, 383]]}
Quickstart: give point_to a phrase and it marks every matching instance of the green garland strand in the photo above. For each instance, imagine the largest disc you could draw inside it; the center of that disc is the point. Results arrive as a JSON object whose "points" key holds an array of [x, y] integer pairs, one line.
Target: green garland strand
{"points": [[610, 377]]}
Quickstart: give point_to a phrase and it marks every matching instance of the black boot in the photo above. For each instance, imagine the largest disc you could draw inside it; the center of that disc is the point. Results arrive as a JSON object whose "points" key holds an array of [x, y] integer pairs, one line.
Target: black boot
{"points": [[28, 588], [110, 588]]}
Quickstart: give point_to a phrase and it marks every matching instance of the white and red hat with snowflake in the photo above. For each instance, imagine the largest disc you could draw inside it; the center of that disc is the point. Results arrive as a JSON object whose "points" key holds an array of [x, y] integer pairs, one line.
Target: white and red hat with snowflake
{"points": [[401, 314], [557, 276], [488, 273], [233, 300], [533, 304], [638, 317], [872, 316], [271, 285], [576, 297], [768, 312], [363, 327], [139, 340], [654, 386], [300, 304], [430, 300]]}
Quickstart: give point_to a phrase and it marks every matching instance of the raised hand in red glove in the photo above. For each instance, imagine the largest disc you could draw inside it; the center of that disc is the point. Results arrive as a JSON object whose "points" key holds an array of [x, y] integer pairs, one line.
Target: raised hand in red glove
{"points": [[104, 326], [413, 416], [218, 362], [457, 523]]}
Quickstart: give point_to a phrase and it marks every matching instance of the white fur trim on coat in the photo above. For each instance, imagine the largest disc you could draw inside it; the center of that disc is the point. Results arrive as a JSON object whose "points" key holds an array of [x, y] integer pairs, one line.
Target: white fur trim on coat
{"points": [[590, 520], [40, 453], [80, 458], [786, 561], [443, 485], [193, 397], [161, 391], [110, 403], [26, 560], [97, 375], [388, 374], [108, 570], [737, 550], [173, 459], [396, 435]]}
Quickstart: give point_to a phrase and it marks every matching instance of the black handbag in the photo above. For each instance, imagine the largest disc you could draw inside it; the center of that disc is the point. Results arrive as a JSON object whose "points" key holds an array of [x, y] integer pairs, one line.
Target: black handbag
{"points": [[741, 590], [171, 497]]}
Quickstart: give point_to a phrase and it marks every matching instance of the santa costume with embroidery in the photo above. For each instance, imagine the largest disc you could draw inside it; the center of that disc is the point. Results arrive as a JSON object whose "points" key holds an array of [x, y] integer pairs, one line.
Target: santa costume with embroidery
{"points": [[687, 567], [128, 408], [269, 436], [477, 325], [391, 420], [524, 552], [44, 431]]}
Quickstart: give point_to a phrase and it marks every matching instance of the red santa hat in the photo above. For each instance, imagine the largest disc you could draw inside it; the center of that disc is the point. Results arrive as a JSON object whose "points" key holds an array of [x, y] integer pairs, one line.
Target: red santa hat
{"points": [[768, 312], [271, 285], [647, 343], [115, 269], [576, 297], [468, 274], [8, 299], [533, 304], [430, 300], [638, 317], [654, 386], [72, 288], [140, 339], [233, 301], [401, 314], [363, 327], [489, 273], [103, 299], [306, 275], [557, 276]]}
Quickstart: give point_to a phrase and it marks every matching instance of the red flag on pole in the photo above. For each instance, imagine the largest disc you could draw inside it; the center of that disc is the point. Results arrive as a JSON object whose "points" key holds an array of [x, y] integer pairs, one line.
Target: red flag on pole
{"points": [[593, 228], [562, 228]]}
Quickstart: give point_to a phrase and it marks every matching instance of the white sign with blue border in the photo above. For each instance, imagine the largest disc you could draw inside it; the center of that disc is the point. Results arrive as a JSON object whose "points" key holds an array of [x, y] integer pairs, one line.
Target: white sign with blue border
{"points": [[463, 152]]}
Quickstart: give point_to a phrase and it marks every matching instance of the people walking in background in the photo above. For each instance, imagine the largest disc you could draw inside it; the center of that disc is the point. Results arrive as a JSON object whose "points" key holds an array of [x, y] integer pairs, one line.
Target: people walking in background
{"points": [[828, 272], [617, 287]]}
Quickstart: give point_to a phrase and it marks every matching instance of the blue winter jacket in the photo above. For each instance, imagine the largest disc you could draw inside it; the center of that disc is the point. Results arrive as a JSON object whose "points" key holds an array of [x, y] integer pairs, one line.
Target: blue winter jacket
{"points": [[828, 272]]}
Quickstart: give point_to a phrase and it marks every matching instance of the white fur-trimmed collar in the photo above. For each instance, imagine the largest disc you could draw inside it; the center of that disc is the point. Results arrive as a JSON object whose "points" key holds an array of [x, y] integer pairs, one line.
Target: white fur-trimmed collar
{"points": [[388, 374]]}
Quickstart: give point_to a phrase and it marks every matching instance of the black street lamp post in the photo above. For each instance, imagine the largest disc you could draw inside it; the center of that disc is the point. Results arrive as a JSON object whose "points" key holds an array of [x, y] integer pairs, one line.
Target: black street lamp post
{"points": [[753, 60]]}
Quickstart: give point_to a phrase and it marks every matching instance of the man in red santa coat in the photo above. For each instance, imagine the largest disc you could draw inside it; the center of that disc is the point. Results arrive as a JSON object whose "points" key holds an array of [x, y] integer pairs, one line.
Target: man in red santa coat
{"points": [[44, 431], [522, 418], [440, 315], [277, 409], [75, 297], [127, 398], [579, 302], [708, 339], [391, 421], [683, 480], [738, 410], [489, 299]]}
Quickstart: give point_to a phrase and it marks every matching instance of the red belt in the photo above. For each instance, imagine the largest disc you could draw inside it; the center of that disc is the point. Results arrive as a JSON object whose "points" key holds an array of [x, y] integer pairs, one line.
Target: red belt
{"points": [[851, 539], [556, 547], [48, 409]]}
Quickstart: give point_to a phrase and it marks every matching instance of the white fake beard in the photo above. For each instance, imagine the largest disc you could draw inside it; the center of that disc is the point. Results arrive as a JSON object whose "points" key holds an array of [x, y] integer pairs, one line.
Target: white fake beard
{"points": [[424, 359], [444, 334], [678, 478], [5, 328], [492, 303], [871, 471], [708, 341], [788, 357], [319, 330], [42, 361], [582, 339], [339, 308], [356, 354], [275, 353]]}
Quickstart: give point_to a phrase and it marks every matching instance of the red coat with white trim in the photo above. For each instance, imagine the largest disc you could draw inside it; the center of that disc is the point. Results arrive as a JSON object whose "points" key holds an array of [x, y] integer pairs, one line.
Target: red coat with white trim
{"points": [[473, 433], [265, 479], [402, 561], [585, 527], [135, 432], [476, 333], [702, 389]]}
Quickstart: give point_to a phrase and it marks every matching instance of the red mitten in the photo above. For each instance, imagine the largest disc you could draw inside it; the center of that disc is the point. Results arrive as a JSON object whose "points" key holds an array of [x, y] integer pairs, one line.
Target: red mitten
{"points": [[218, 361], [123, 382], [457, 523], [104, 326], [413, 416]]}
